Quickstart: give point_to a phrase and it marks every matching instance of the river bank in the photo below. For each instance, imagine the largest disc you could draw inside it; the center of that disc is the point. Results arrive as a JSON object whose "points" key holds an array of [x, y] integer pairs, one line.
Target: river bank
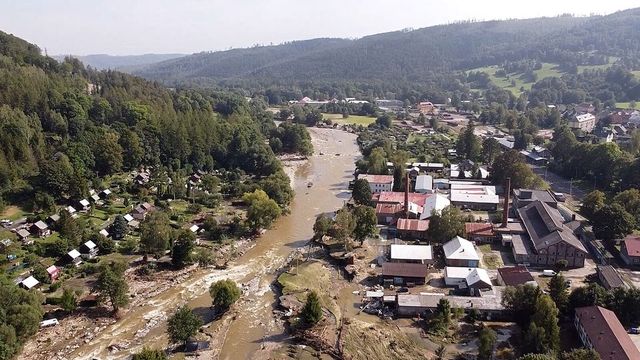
{"points": [[252, 326]]}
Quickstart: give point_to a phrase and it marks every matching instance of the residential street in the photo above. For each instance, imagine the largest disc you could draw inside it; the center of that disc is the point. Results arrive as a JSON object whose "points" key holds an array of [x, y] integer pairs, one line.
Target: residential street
{"points": [[559, 184]]}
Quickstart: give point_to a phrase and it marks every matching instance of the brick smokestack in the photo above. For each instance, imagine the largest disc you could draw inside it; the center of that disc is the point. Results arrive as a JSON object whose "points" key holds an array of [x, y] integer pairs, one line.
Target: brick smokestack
{"points": [[505, 207], [407, 184]]}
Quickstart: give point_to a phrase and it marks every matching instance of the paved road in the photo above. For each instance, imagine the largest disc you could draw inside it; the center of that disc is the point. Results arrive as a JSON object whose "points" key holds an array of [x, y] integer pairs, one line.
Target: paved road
{"points": [[558, 183]]}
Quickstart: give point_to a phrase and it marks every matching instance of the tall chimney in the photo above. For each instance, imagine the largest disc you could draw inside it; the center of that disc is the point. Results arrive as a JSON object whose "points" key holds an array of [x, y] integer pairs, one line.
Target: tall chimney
{"points": [[505, 207], [407, 185]]}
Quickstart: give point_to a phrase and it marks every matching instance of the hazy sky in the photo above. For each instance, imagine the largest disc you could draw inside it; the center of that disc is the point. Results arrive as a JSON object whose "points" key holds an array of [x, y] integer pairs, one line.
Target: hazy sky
{"points": [[123, 27]]}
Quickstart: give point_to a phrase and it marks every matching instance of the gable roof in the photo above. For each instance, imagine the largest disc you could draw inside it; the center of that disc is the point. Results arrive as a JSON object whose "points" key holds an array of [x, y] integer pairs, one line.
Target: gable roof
{"points": [[23, 233], [388, 209], [411, 252], [460, 248], [545, 228], [73, 254], [606, 334], [610, 276], [376, 179], [434, 203], [412, 225], [478, 275], [405, 270], [398, 197], [29, 282], [41, 225], [515, 275]]}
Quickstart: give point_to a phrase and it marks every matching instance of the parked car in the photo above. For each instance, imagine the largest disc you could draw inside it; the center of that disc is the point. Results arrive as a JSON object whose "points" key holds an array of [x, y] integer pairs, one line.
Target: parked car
{"points": [[548, 273], [634, 330], [560, 196], [403, 290], [6, 222]]}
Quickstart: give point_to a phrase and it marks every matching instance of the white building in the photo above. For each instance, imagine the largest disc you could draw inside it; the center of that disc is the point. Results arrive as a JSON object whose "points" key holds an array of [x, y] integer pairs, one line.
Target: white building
{"points": [[421, 254], [464, 277], [584, 122], [460, 252], [424, 184], [378, 183], [434, 204], [29, 283], [477, 197]]}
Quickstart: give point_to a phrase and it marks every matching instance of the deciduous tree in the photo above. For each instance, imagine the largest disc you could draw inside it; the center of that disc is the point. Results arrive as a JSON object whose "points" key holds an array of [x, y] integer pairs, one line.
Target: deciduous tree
{"points": [[224, 293], [183, 324], [361, 192], [111, 285]]}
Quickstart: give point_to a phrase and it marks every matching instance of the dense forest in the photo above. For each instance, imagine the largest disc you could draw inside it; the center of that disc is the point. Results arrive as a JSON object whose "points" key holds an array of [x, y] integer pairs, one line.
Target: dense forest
{"points": [[63, 127], [396, 59]]}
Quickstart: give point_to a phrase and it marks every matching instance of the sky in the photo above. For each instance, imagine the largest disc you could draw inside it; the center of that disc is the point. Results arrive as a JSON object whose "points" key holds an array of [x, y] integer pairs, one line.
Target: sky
{"points": [[131, 27]]}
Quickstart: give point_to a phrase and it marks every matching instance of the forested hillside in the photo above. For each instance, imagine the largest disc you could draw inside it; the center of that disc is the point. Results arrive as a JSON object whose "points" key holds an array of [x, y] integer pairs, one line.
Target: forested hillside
{"points": [[64, 127], [415, 56], [125, 62]]}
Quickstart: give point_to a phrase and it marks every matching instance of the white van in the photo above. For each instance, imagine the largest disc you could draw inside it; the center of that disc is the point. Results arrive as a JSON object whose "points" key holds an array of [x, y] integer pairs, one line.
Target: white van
{"points": [[548, 273]]}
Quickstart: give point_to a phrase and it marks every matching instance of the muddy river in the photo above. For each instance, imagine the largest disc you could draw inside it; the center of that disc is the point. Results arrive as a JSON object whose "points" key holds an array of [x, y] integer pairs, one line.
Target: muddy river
{"points": [[329, 170]]}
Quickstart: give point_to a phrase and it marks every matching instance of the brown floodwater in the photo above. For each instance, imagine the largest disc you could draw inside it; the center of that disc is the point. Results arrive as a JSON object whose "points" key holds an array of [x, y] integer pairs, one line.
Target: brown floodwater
{"points": [[256, 269]]}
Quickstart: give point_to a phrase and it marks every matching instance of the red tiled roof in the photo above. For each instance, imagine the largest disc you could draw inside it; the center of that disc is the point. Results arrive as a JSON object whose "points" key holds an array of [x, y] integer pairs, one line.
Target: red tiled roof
{"points": [[515, 275], [405, 270], [398, 197], [412, 225], [479, 229], [388, 209], [377, 179], [632, 244], [606, 334]]}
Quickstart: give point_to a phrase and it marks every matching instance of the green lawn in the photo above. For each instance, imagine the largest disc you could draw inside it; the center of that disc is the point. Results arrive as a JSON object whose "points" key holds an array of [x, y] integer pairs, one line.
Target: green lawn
{"points": [[309, 276], [490, 259], [636, 73], [352, 119]]}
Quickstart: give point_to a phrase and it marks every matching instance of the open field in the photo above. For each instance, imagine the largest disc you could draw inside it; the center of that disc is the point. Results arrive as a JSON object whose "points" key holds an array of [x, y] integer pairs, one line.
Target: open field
{"points": [[548, 70], [352, 119], [625, 105]]}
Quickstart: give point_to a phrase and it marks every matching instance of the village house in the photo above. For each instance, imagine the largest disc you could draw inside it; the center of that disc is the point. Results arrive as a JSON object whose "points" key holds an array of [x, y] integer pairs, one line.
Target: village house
{"points": [[479, 232], [460, 252], [29, 283], [74, 257], [585, 122], [548, 240], [89, 250], [53, 272], [474, 279], [53, 219], [630, 250], [71, 210], [84, 205], [104, 232], [140, 211], [5, 243], [194, 228], [23, 235], [40, 229], [408, 274], [412, 229], [609, 277], [104, 194], [419, 254], [514, 276], [95, 198], [128, 218], [378, 183], [599, 329]]}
